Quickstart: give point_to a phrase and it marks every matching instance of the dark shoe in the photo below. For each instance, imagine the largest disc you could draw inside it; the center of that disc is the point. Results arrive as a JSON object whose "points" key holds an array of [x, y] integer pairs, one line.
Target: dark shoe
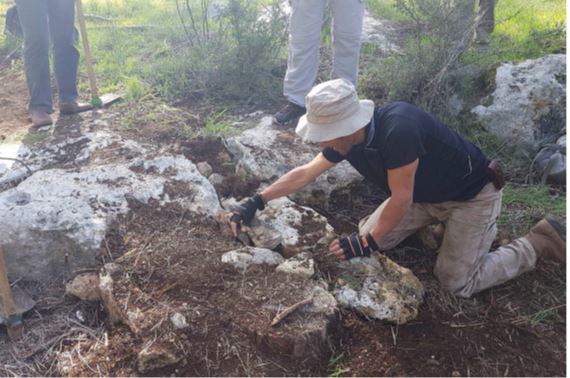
{"points": [[291, 112], [74, 107], [548, 238], [40, 119]]}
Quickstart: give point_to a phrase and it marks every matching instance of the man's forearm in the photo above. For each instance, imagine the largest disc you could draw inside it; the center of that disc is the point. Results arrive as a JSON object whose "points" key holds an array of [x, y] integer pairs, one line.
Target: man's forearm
{"points": [[289, 183], [391, 216]]}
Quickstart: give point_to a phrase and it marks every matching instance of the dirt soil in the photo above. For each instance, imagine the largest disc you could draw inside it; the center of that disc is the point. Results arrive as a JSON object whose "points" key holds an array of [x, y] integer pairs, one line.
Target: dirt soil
{"points": [[169, 262]]}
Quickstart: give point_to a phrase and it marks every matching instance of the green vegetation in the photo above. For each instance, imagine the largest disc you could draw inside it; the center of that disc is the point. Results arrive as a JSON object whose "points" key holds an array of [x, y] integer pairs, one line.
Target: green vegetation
{"points": [[386, 9], [547, 315], [525, 30], [177, 51], [524, 205], [335, 369], [215, 125], [8, 44], [436, 45]]}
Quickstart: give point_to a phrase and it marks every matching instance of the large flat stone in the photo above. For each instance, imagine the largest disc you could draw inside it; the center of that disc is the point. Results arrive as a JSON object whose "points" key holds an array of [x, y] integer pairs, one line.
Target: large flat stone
{"points": [[529, 102], [268, 152], [380, 289]]}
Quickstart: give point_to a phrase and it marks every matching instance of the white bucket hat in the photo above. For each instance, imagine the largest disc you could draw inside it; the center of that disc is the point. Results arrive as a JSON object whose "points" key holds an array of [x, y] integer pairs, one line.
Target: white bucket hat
{"points": [[333, 111]]}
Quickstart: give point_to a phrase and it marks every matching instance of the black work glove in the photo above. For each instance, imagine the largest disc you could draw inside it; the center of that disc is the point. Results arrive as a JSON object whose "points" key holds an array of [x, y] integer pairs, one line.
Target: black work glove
{"points": [[245, 212], [356, 245]]}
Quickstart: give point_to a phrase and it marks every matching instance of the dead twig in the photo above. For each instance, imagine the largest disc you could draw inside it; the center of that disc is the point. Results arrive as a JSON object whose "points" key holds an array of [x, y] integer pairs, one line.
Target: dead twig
{"points": [[282, 315]]}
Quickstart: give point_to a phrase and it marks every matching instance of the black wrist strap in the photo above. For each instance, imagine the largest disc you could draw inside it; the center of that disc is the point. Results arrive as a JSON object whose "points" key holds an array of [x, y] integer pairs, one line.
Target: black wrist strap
{"points": [[259, 201], [372, 243]]}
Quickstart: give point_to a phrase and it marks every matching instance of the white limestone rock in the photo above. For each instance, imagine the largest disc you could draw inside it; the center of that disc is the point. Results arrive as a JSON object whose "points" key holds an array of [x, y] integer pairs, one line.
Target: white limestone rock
{"points": [[57, 218], [529, 102], [284, 222], [380, 289], [269, 152], [244, 257], [178, 321], [300, 265]]}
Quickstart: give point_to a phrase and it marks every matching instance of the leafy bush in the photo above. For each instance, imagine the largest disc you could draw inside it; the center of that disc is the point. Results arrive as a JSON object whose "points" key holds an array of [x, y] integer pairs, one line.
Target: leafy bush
{"points": [[440, 32], [229, 49]]}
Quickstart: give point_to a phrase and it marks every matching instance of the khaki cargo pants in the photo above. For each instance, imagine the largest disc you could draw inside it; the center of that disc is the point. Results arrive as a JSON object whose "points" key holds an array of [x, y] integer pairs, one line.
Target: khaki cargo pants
{"points": [[464, 264]]}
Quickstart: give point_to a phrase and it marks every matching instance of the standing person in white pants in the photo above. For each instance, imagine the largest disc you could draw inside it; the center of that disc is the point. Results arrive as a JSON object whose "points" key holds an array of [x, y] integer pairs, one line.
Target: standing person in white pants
{"points": [[305, 26]]}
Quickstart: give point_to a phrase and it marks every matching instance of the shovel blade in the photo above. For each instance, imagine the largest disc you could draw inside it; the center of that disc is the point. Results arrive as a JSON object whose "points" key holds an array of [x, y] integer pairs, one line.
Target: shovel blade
{"points": [[23, 302], [109, 98]]}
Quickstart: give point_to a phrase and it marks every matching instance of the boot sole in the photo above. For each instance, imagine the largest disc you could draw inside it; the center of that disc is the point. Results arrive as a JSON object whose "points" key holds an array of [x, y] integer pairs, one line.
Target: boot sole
{"points": [[41, 124]]}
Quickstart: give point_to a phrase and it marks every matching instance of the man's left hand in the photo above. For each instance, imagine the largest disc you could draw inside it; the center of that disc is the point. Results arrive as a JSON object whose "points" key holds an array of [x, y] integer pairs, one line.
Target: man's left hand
{"points": [[352, 246]]}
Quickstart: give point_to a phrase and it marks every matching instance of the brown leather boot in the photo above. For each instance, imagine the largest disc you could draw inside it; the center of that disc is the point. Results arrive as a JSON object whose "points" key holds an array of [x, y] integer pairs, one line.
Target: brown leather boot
{"points": [[548, 238], [74, 107], [40, 119]]}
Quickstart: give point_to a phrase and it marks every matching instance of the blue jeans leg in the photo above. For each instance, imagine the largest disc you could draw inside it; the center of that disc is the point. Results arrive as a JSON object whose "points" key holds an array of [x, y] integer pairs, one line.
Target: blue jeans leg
{"points": [[33, 16], [65, 54]]}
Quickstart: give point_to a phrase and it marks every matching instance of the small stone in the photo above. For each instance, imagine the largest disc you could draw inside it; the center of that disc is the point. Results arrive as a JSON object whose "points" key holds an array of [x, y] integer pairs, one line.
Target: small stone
{"points": [[264, 236], [300, 265], [244, 257], [204, 168], [112, 268], [79, 315], [84, 286], [216, 179], [155, 356], [433, 362], [178, 320]]}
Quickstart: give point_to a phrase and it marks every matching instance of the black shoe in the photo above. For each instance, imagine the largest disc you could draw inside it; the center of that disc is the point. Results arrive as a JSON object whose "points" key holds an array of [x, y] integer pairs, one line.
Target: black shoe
{"points": [[289, 113]]}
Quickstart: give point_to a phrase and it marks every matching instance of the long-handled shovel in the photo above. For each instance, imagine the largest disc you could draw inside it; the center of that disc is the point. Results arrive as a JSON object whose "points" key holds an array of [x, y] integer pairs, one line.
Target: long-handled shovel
{"points": [[96, 101]]}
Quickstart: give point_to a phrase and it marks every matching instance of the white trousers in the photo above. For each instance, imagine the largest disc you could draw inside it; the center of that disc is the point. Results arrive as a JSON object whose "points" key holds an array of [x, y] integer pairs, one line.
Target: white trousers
{"points": [[304, 41]]}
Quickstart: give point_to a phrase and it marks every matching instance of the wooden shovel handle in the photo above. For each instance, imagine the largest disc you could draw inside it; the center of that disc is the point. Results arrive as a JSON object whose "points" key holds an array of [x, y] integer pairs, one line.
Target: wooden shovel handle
{"points": [[7, 304], [86, 49]]}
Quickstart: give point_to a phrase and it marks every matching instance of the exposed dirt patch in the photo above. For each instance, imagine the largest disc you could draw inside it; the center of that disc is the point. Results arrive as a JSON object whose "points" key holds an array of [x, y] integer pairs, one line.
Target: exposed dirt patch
{"points": [[13, 102], [177, 268]]}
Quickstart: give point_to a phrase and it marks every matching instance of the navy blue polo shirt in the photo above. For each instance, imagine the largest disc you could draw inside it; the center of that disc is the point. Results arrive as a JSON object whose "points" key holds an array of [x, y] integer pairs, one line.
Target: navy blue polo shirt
{"points": [[450, 168]]}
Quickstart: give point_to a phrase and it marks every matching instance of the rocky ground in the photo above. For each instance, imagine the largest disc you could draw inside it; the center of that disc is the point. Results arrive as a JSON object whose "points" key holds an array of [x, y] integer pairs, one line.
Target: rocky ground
{"points": [[124, 207]]}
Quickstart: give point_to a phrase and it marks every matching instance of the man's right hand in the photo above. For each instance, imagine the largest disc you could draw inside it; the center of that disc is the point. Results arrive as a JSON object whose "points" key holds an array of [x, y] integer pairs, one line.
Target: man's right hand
{"points": [[245, 212]]}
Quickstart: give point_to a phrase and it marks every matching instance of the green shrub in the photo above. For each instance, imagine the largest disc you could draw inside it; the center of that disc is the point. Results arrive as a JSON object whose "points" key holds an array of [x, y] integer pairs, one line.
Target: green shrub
{"points": [[231, 55], [440, 31]]}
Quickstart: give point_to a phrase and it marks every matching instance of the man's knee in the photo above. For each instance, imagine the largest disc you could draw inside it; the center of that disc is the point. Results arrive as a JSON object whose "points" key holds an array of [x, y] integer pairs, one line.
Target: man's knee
{"points": [[454, 280]]}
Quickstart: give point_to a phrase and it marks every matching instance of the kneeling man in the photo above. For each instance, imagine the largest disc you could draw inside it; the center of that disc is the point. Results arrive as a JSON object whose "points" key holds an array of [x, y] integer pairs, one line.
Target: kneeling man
{"points": [[431, 175]]}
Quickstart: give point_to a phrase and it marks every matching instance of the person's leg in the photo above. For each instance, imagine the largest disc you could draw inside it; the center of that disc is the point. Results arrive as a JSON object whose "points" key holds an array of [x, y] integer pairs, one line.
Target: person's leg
{"points": [[66, 56], [33, 17], [416, 218], [346, 29], [304, 40], [464, 265], [485, 21]]}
